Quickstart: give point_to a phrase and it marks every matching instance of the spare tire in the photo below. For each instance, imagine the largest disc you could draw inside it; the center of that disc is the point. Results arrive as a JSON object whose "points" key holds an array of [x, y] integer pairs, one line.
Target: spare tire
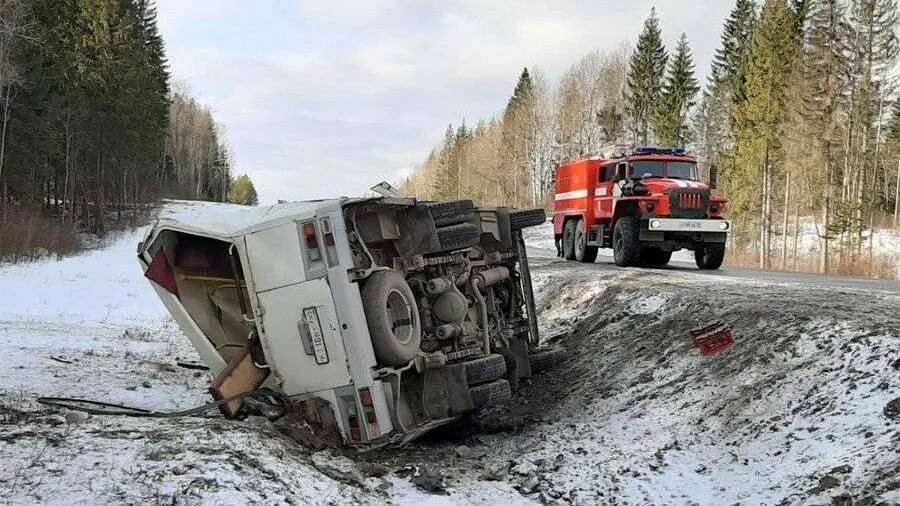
{"points": [[546, 359], [526, 218], [485, 369], [392, 316], [451, 213], [489, 394], [456, 237]]}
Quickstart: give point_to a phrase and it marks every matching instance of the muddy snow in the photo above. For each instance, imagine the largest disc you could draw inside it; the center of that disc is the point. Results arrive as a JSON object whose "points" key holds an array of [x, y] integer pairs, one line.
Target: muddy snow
{"points": [[804, 408]]}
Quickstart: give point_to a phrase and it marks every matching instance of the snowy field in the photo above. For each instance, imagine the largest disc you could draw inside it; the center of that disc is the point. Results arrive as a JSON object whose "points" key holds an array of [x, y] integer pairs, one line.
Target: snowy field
{"points": [[805, 409]]}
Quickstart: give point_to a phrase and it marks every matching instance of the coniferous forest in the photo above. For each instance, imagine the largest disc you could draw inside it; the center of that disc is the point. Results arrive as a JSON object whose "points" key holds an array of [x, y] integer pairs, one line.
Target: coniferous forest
{"points": [[799, 111], [90, 124]]}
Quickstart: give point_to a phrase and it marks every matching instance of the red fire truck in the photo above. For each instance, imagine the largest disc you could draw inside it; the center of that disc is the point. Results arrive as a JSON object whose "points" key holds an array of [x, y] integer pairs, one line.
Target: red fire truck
{"points": [[644, 203]]}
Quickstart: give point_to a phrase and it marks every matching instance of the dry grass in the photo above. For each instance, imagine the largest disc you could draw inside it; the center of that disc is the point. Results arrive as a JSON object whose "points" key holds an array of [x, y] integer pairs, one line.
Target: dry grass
{"points": [[878, 268], [26, 233]]}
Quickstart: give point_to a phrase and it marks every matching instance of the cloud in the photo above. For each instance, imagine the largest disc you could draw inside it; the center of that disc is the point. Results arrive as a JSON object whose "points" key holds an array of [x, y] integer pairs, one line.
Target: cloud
{"points": [[328, 98]]}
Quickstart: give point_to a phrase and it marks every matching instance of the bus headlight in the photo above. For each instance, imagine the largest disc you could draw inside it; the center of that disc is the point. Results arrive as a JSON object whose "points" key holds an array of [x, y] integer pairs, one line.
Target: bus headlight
{"points": [[723, 225], [655, 223]]}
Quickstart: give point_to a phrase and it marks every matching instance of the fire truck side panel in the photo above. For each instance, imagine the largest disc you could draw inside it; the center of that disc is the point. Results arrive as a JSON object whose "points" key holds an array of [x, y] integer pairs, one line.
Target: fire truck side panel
{"points": [[576, 183], [604, 193]]}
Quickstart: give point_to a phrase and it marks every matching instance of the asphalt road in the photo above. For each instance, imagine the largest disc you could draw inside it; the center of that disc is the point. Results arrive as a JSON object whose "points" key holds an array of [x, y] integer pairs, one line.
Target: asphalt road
{"points": [[605, 261]]}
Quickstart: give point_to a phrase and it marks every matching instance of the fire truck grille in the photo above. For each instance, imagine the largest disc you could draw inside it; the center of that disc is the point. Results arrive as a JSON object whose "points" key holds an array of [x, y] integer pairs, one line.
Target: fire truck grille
{"points": [[688, 203]]}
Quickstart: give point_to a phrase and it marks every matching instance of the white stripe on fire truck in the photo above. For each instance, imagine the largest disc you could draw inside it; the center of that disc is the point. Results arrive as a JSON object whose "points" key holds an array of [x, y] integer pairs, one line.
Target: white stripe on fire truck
{"points": [[574, 194], [600, 192]]}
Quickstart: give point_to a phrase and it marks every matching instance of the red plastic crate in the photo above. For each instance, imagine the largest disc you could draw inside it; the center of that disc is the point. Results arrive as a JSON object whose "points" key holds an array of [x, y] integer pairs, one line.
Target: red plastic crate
{"points": [[712, 339]]}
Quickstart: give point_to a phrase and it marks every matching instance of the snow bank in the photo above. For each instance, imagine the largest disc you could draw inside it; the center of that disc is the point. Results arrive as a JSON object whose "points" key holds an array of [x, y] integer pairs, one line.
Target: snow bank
{"points": [[96, 287], [796, 412]]}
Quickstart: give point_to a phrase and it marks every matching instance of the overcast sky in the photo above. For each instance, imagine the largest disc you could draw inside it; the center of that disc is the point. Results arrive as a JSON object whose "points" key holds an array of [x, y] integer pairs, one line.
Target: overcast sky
{"points": [[326, 98]]}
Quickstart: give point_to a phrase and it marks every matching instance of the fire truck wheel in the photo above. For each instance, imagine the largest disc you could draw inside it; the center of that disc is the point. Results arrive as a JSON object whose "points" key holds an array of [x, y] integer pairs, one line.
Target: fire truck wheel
{"points": [[583, 252], [456, 237], [655, 257], [492, 393], [485, 369], [451, 213], [568, 240], [392, 317], [626, 242], [710, 256]]}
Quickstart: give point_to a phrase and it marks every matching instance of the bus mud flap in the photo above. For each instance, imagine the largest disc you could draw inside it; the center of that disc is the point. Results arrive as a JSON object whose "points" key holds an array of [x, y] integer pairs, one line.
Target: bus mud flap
{"points": [[445, 392], [528, 291]]}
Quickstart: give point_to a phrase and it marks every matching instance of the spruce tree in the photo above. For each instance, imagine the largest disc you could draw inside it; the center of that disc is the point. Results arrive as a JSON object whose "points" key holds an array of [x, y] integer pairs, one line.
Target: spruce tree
{"points": [[729, 62], [522, 95], [872, 56], [446, 184], [645, 78], [758, 120], [726, 87], [516, 128], [670, 120], [824, 86], [242, 191]]}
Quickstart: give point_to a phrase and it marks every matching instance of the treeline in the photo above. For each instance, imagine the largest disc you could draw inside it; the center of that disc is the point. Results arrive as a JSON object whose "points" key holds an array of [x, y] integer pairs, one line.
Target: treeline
{"points": [[89, 122], [799, 113]]}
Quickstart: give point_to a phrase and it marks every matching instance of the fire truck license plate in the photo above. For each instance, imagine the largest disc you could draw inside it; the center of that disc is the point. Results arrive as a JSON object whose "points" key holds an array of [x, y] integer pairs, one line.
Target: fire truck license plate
{"points": [[315, 335]]}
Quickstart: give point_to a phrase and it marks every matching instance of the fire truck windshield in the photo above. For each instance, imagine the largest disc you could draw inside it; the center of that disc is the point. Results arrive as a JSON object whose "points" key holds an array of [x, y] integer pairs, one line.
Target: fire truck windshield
{"points": [[648, 169], [683, 170], [677, 170]]}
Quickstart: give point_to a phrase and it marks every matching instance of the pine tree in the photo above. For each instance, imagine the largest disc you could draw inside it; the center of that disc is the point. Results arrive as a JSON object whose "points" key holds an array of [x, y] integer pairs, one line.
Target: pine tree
{"points": [[670, 120], [645, 78]]}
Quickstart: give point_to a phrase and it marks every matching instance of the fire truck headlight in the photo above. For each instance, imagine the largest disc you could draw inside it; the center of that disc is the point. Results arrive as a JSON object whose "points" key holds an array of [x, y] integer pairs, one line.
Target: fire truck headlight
{"points": [[655, 223], [723, 225]]}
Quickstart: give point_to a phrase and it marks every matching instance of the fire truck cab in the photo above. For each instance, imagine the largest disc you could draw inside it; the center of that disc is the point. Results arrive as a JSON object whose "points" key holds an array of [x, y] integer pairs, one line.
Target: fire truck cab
{"points": [[645, 203]]}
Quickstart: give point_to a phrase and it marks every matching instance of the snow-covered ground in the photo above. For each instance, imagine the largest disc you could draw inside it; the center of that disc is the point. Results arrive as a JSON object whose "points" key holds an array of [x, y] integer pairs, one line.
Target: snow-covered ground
{"points": [[797, 412]]}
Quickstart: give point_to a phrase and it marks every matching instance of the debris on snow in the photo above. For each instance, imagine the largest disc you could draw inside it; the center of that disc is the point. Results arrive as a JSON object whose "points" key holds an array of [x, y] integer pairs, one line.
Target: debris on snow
{"points": [[430, 480], [892, 409]]}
